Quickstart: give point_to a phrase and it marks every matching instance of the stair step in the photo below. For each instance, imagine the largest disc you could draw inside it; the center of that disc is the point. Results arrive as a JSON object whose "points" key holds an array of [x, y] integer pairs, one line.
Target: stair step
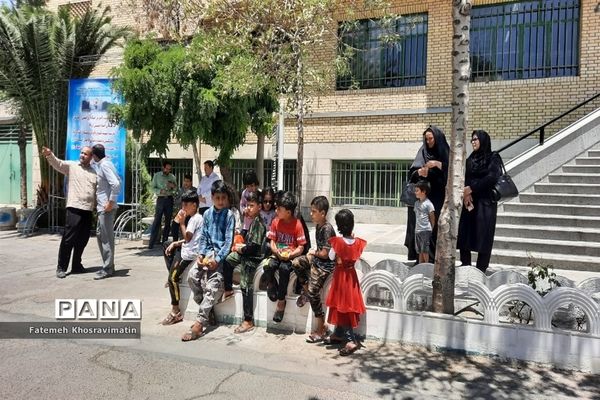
{"points": [[558, 261], [559, 198], [587, 161], [561, 233], [548, 220], [581, 169], [547, 246], [574, 178], [594, 153], [567, 188], [556, 209]]}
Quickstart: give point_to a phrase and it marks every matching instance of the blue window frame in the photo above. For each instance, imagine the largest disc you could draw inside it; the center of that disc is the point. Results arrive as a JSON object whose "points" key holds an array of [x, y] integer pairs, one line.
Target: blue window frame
{"points": [[384, 53], [525, 39]]}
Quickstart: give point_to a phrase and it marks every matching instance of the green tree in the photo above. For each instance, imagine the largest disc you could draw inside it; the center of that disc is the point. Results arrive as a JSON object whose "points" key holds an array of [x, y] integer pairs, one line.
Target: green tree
{"points": [[284, 35], [202, 91], [39, 52]]}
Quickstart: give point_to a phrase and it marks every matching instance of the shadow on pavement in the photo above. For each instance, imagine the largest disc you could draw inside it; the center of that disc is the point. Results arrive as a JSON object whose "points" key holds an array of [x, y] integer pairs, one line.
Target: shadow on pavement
{"points": [[122, 272], [414, 368]]}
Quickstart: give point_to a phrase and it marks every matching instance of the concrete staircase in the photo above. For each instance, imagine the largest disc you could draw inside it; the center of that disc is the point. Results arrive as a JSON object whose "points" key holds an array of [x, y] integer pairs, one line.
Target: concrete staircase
{"points": [[556, 221]]}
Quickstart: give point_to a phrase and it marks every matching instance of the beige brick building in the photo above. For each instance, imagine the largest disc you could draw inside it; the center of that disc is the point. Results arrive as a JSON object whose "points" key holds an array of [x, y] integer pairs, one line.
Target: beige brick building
{"points": [[383, 125]]}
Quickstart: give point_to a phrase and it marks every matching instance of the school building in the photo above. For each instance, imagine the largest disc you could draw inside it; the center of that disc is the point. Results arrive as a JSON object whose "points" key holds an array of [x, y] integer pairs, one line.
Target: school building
{"points": [[531, 61]]}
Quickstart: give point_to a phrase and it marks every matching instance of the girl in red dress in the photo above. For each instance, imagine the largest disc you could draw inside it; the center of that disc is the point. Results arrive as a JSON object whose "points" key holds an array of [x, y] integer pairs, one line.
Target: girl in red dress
{"points": [[345, 299]]}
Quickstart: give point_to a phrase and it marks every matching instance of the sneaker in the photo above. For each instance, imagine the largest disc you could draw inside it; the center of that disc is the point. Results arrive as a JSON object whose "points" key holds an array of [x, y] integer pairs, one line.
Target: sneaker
{"points": [[61, 274], [79, 270]]}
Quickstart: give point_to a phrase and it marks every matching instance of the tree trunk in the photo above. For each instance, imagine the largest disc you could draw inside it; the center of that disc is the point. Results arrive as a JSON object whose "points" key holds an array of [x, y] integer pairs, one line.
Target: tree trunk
{"points": [[226, 174], [22, 143], [260, 160], [198, 161], [300, 160], [443, 276], [299, 102]]}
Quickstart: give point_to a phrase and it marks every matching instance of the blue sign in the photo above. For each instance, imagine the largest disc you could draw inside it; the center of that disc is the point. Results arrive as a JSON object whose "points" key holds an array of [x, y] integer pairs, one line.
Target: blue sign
{"points": [[88, 123]]}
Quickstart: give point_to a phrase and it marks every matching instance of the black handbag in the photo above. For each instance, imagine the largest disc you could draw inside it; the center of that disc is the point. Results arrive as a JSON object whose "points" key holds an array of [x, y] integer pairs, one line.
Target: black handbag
{"points": [[505, 188], [408, 196]]}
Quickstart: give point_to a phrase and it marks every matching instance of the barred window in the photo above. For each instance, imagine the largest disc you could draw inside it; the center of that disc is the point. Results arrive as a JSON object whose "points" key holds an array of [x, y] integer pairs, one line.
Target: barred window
{"points": [[384, 53], [10, 133], [371, 183], [238, 167], [524, 40]]}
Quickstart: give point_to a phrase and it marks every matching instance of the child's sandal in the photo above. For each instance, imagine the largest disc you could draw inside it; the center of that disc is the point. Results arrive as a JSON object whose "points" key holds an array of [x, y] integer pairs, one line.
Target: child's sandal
{"points": [[314, 338], [192, 334], [172, 319], [346, 351], [242, 329], [302, 300]]}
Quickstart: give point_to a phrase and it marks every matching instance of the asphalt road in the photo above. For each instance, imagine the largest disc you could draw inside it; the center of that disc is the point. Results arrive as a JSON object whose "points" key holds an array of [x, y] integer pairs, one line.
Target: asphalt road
{"points": [[261, 364]]}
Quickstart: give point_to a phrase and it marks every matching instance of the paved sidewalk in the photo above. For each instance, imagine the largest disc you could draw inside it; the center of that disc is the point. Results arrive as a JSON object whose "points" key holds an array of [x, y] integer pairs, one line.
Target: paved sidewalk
{"points": [[221, 364]]}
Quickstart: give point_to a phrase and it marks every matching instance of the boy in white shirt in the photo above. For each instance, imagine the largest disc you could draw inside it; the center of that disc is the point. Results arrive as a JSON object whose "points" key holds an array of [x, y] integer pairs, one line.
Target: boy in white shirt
{"points": [[189, 250]]}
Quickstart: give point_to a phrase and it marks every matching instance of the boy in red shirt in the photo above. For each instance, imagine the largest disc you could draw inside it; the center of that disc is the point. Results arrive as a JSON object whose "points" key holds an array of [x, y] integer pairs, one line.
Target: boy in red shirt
{"points": [[287, 242]]}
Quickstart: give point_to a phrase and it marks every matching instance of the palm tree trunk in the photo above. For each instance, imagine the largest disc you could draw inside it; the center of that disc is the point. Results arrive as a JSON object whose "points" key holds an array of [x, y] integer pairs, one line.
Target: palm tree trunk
{"points": [[443, 276]]}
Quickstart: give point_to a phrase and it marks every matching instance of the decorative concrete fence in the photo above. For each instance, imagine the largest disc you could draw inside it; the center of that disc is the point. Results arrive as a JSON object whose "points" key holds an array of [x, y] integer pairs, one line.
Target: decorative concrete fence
{"points": [[485, 329]]}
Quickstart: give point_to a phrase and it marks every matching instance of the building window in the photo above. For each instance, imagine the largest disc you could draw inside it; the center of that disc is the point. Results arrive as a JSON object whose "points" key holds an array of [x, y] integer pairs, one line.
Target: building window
{"points": [[238, 167], [10, 133], [76, 8], [368, 183], [384, 53], [524, 40]]}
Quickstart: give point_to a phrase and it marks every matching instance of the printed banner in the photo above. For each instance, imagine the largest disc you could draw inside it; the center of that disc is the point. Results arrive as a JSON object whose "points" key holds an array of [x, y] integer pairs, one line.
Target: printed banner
{"points": [[88, 123]]}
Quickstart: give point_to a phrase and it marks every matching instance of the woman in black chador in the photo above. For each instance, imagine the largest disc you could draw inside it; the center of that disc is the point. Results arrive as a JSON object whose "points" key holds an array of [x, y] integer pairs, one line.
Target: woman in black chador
{"points": [[478, 218], [431, 164]]}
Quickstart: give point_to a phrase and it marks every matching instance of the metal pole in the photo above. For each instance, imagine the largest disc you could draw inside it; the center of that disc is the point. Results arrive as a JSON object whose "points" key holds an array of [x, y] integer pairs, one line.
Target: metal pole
{"points": [[280, 153]]}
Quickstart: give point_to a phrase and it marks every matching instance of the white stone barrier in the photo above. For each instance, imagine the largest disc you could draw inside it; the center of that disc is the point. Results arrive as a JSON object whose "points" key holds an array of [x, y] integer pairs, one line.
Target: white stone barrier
{"points": [[493, 334]]}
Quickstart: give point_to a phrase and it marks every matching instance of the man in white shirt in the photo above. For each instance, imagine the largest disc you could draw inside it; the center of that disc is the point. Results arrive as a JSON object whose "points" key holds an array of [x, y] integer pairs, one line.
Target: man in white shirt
{"points": [[206, 182], [109, 187]]}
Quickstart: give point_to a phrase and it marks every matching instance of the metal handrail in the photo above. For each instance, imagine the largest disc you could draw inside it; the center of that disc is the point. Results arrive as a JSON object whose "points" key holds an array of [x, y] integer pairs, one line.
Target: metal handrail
{"points": [[542, 128]]}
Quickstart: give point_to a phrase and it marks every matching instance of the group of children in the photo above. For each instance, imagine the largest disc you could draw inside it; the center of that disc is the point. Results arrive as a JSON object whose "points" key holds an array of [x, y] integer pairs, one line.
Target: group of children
{"points": [[265, 232]]}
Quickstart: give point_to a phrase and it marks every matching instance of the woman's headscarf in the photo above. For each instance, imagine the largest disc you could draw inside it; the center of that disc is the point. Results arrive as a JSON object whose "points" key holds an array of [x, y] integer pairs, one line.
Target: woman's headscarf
{"points": [[480, 159], [439, 152]]}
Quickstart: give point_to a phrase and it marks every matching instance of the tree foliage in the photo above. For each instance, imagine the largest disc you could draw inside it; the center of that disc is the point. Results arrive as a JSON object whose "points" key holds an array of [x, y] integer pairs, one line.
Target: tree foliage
{"points": [[284, 35], [39, 52], [207, 90]]}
